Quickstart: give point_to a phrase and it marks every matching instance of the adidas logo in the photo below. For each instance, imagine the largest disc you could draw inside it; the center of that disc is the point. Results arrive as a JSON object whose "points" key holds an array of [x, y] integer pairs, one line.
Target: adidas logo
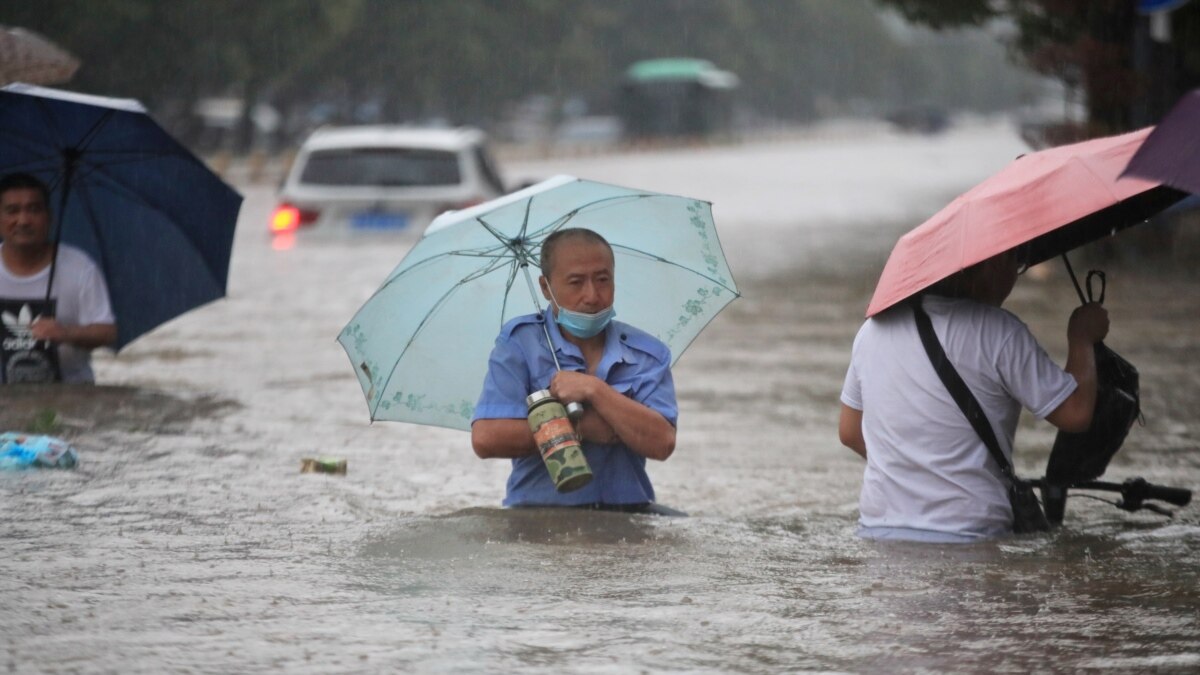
{"points": [[20, 328]]}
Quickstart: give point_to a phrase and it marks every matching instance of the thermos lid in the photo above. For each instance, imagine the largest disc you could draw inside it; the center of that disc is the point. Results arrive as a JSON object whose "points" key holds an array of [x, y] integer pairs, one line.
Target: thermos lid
{"points": [[537, 397]]}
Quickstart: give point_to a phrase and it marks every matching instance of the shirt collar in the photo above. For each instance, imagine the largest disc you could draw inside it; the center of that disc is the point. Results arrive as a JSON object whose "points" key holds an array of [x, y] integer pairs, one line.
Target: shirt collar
{"points": [[616, 349]]}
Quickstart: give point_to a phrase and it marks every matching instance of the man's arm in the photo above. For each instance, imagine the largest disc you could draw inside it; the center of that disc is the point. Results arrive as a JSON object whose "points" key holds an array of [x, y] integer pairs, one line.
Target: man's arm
{"points": [[503, 430], [850, 430], [592, 427], [502, 438], [640, 427], [511, 438], [85, 337], [1088, 325]]}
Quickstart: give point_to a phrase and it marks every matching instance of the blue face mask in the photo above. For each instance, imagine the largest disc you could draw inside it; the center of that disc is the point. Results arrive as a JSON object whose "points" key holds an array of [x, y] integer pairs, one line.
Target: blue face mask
{"points": [[584, 325]]}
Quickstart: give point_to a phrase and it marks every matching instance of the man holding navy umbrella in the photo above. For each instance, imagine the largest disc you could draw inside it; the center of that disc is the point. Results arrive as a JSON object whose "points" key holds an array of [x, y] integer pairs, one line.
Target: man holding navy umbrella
{"points": [[48, 328]]}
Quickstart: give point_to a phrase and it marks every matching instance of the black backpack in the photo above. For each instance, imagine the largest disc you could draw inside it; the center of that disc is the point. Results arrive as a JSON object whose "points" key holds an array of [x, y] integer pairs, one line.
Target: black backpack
{"points": [[1084, 456]]}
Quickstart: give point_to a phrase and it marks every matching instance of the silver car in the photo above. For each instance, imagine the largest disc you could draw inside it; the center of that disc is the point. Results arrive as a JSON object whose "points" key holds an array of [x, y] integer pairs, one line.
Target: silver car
{"points": [[384, 178]]}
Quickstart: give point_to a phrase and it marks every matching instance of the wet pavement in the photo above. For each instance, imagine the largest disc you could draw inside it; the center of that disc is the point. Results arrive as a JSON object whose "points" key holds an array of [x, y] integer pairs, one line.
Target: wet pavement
{"points": [[188, 541]]}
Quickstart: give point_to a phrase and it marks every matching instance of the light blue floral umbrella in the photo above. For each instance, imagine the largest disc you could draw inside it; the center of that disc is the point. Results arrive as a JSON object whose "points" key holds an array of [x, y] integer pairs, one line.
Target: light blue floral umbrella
{"points": [[420, 344]]}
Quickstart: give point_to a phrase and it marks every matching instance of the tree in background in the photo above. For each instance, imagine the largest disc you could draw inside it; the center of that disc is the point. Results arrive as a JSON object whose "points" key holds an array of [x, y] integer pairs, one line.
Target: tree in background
{"points": [[171, 54], [1101, 47], [468, 61]]}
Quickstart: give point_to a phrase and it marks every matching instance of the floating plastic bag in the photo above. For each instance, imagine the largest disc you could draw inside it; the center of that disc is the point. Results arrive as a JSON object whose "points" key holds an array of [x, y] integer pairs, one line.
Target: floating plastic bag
{"points": [[27, 451]]}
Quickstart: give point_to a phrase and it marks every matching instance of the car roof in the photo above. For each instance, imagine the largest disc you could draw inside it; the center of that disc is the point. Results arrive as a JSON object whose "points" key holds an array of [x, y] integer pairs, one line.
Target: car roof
{"points": [[393, 136]]}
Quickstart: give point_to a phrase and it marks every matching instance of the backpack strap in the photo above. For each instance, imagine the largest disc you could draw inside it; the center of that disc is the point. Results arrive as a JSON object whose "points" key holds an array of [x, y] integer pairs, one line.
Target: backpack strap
{"points": [[966, 401]]}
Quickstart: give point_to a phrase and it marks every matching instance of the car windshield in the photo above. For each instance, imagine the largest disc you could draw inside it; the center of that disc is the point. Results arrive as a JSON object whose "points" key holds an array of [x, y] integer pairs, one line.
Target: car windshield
{"points": [[381, 166]]}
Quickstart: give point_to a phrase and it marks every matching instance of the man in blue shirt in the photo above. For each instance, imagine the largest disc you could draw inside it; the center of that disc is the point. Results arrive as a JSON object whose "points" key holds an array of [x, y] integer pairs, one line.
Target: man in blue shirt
{"points": [[620, 374]]}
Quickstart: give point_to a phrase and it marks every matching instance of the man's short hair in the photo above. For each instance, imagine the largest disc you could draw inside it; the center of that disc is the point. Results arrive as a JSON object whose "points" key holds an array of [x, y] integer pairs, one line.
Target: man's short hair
{"points": [[550, 244], [24, 181]]}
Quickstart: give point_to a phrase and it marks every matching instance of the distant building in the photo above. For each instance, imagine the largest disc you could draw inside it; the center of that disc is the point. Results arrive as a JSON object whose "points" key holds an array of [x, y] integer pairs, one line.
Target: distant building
{"points": [[676, 97]]}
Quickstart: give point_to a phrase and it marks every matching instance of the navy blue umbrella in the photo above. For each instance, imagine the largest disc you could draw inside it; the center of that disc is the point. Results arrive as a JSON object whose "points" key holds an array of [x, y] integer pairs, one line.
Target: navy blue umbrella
{"points": [[149, 213]]}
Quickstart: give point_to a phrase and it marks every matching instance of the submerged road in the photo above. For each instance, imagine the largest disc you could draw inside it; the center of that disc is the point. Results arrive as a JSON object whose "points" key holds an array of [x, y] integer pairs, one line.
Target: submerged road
{"points": [[188, 541]]}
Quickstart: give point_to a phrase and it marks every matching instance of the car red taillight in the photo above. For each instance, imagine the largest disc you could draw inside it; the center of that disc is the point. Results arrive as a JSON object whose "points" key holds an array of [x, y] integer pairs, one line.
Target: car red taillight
{"points": [[288, 218]]}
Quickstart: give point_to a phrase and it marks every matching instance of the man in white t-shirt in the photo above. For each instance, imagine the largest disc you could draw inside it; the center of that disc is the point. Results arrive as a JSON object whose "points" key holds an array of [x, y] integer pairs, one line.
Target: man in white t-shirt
{"points": [[79, 317], [929, 477]]}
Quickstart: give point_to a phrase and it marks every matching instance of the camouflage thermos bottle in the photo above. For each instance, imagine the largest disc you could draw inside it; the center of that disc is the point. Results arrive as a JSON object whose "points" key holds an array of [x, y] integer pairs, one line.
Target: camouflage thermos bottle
{"points": [[557, 442]]}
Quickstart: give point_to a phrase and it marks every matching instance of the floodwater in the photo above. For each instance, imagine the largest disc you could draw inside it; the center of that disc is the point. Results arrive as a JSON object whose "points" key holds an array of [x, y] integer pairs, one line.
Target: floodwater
{"points": [[188, 541]]}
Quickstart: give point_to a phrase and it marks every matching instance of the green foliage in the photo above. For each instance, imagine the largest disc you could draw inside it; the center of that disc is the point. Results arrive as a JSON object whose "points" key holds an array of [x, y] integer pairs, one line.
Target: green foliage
{"points": [[45, 422], [1090, 44], [466, 60], [940, 14]]}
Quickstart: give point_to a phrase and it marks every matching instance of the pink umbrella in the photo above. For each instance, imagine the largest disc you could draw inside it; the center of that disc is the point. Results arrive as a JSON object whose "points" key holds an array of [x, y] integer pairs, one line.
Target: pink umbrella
{"points": [[1049, 202], [1172, 152]]}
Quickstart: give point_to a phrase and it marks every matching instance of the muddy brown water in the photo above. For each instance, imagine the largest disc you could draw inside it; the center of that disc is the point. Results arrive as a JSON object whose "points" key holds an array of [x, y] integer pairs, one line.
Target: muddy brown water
{"points": [[188, 541]]}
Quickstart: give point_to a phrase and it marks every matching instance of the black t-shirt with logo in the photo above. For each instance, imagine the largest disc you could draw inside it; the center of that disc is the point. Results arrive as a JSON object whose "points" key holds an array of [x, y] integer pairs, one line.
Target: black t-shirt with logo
{"points": [[22, 358]]}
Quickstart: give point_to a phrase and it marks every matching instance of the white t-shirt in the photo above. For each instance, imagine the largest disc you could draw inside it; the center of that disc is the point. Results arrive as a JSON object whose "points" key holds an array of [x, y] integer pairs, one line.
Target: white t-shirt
{"points": [[82, 300], [927, 469]]}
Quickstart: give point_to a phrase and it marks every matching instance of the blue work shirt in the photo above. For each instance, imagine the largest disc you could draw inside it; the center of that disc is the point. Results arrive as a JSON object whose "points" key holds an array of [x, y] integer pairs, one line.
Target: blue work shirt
{"points": [[634, 363]]}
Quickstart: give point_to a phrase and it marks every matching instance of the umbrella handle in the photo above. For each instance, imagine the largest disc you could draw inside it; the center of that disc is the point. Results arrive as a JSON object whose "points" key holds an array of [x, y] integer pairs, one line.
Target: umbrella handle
{"points": [[70, 163], [574, 408], [1071, 273], [1103, 285], [1092, 274]]}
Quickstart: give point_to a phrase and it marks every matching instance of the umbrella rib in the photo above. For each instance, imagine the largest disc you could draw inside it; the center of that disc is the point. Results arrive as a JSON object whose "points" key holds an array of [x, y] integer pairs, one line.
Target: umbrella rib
{"points": [[36, 165], [130, 156], [517, 237], [86, 198], [492, 230], [435, 258], [47, 119], [553, 225], [18, 139], [664, 261], [59, 138], [441, 301], [120, 186], [432, 259], [484, 271], [496, 252], [558, 222], [116, 152], [525, 220], [48, 122], [562, 220], [511, 244], [512, 275], [86, 167], [91, 134], [1106, 185], [83, 140]]}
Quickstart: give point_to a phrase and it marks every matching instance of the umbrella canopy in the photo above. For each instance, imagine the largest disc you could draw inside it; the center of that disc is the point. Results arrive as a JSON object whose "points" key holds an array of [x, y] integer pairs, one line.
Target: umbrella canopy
{"points": [[1171, 154], [28, 57], [152, 216], [420, 344], [1049, 202]]}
